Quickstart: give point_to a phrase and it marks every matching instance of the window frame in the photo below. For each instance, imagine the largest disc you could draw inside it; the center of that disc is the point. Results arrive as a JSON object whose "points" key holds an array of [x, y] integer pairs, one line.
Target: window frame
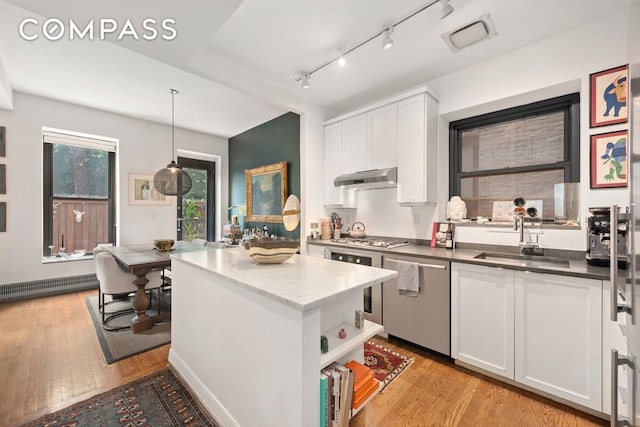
{"points": [[47, 193], [568, 104]]}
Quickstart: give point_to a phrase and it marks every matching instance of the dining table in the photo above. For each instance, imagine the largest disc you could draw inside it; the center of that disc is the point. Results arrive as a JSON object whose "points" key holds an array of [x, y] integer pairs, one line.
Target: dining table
{"points": [[140, 259]]}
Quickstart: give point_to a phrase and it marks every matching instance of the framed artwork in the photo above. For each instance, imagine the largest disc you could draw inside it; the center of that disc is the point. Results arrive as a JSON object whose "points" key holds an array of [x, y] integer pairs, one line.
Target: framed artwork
{"points": [[608, 92], [142, 191], [3, 179], [609, 160], [266, 192], [3, 141], [3, 217]]}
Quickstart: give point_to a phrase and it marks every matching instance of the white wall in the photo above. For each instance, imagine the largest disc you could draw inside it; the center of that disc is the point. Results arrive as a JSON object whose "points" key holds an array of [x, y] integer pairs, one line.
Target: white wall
{"points": [[551, 67], [144, 147]]}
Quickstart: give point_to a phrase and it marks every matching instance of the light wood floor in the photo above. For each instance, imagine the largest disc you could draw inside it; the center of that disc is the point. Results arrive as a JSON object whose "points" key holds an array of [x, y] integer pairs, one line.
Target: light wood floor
{"points": [[50, 358]]}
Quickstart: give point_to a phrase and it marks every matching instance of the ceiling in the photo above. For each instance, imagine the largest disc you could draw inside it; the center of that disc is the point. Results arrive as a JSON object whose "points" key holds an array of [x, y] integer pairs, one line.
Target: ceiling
{"points": [[235, 61]]}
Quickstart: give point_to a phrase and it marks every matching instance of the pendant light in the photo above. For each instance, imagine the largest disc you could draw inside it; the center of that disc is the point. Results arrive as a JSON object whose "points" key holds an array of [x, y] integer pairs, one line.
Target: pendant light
{"points": [[172, 180]]}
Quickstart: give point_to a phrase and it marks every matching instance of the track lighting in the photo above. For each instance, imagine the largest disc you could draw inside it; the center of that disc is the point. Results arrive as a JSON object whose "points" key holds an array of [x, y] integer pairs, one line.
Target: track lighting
{"points": [[304, 81], [445, 8], [387, 42]]}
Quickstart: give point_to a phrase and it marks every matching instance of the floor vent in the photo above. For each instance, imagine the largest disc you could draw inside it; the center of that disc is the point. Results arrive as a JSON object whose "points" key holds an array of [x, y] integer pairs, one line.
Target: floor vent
{"points": [[46, 287]]}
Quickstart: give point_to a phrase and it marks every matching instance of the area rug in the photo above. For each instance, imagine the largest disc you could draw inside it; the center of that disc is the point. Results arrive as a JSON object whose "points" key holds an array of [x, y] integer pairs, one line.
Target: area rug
{"points": [[118, 345], [159, 399], [385, 363]]}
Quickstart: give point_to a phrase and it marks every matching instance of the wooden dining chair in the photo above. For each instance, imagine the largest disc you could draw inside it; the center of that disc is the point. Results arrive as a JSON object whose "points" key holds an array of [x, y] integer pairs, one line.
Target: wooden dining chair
{"points": [[118, 284]]}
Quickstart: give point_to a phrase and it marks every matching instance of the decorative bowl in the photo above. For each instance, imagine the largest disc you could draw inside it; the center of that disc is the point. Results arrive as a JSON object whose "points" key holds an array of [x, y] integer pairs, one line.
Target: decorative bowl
{"points": [[163, 244], [267, 250]]}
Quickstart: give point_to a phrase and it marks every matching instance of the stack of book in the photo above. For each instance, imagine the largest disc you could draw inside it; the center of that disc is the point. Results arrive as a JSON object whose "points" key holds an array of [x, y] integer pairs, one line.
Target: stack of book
{"points": [[364, 385], [336, 395]]}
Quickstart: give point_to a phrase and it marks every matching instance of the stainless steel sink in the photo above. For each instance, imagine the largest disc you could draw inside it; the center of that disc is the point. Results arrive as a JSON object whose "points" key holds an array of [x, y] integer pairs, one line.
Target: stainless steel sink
{"points": [[524, 260]]}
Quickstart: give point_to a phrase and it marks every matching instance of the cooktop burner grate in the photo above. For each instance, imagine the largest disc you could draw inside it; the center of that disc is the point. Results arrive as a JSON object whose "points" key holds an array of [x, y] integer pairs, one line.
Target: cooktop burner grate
{"points": [[372, 242]]}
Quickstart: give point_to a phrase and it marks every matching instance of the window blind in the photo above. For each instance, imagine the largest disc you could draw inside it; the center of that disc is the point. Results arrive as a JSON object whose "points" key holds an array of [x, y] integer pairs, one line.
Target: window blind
{"points": [[77, 139]]}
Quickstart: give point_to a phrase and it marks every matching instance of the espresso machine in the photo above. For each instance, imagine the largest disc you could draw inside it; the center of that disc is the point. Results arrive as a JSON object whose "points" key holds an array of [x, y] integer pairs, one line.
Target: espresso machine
{"points": [[599, 237]]}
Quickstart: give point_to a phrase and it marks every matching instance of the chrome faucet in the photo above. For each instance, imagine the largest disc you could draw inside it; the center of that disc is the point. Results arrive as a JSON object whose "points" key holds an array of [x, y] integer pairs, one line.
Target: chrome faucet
{"points": [[518, 225]]}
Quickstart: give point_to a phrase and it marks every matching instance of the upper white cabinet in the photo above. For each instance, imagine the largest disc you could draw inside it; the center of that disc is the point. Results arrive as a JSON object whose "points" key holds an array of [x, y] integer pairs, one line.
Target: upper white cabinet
{"points": [[333, 166], [417, 150], [383, 137], [399, 132], [355, 144]]}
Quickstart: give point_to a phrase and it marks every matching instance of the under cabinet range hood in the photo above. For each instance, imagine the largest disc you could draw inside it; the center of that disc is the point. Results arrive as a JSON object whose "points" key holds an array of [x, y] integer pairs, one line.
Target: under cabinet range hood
{"points": [[368, 180]]}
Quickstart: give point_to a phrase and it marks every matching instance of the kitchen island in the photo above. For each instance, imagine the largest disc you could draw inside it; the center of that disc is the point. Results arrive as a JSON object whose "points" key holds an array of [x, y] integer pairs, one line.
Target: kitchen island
{"points": [[246, 337]]}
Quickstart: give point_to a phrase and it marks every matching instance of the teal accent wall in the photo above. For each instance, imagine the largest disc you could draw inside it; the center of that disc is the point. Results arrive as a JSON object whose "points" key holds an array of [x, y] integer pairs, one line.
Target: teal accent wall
{"points": [[272, 142]]}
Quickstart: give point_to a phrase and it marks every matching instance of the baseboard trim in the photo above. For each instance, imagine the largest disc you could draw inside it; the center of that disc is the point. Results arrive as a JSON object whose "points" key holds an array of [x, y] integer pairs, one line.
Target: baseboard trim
{"points": [[47, 287]]}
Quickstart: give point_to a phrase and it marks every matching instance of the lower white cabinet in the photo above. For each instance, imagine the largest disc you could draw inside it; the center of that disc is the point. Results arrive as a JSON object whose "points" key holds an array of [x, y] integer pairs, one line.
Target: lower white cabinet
{"points": [[558, 336], [482, 319], [541, 330]]}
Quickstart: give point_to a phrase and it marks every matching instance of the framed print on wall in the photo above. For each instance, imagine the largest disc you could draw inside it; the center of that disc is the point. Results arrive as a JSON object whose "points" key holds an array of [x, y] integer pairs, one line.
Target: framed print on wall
{"points": [[142, 191], [609, 160], [266, 192], [608, 92]]}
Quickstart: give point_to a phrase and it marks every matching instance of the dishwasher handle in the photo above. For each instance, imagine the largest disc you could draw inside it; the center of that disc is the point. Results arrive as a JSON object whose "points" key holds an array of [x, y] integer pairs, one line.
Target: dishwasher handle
{"points": [[421, 265]]}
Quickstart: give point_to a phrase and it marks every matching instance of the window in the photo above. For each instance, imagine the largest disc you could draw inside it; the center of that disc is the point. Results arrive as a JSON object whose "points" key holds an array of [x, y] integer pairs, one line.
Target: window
{"points": [[195, 209], [518, 152], [78, 191]]}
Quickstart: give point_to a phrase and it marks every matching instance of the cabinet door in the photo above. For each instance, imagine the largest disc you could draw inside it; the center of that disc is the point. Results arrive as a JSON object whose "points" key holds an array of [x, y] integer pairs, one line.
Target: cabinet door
{"points": [[411, 150], [423, 320], [417, 150], [383, 137], [332, 162], [558, 336], [482, 317], [355, 149]]}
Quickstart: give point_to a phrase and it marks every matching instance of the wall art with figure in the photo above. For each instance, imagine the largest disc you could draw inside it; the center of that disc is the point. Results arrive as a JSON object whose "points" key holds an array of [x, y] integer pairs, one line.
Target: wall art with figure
{"points": [[609, 160], [608, 97]]}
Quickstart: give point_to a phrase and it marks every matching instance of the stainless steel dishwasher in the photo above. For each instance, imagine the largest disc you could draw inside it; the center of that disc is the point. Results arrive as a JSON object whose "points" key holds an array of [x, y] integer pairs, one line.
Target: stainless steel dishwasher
{"points": [[426, 319]]}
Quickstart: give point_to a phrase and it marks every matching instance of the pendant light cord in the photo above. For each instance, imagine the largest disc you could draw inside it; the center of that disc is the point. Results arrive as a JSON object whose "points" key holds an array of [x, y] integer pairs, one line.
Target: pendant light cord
{"points": [[173, 126]]}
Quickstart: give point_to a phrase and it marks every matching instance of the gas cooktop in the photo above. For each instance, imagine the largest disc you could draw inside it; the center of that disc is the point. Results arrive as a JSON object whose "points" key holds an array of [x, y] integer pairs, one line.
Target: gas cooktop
{"points": [[372, 242]]}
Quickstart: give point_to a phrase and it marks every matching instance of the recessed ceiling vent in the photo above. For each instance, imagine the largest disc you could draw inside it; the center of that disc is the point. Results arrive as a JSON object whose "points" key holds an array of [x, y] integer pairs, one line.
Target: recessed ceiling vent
{"points": [[470, 33]]}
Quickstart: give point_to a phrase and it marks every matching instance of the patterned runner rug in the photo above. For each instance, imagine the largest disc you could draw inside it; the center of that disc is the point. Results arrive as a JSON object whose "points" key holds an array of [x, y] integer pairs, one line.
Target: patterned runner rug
{"points": [[159, 399], [386, 364]]}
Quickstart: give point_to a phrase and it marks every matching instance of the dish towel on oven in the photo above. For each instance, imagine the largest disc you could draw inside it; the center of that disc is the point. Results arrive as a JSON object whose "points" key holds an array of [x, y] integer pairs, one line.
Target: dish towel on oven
{"points": [[408, 279]]}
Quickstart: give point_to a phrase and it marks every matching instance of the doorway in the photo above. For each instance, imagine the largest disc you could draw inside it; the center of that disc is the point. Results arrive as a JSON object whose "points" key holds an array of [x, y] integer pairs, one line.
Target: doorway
{"points": [[196, 209]]}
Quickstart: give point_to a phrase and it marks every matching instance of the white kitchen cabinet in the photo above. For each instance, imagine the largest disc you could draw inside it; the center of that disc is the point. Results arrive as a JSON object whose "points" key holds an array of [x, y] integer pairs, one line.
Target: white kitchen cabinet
{"points": [[383, 137], [482, 317], [542, 330], [355, 144], [417, 150], [333, 167], [558, 332]]}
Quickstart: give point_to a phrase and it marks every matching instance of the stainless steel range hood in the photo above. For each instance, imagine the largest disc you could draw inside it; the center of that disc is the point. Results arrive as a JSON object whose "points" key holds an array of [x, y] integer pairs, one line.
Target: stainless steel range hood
{"points": [[368, 180]]}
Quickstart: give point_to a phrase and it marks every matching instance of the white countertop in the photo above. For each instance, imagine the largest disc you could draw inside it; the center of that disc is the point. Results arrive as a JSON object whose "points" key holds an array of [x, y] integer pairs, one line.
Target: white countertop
{"points": [[302, 282]]}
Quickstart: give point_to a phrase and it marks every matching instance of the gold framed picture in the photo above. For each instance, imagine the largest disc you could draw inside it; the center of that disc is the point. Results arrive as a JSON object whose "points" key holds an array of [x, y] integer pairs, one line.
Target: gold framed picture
{"points": [[142, 191], [266, 192]]}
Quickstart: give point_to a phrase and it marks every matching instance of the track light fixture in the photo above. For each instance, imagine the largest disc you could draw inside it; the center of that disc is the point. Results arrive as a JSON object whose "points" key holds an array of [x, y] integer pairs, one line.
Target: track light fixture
{"points": [[304, 82], [445, 8], [387, 42]]}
